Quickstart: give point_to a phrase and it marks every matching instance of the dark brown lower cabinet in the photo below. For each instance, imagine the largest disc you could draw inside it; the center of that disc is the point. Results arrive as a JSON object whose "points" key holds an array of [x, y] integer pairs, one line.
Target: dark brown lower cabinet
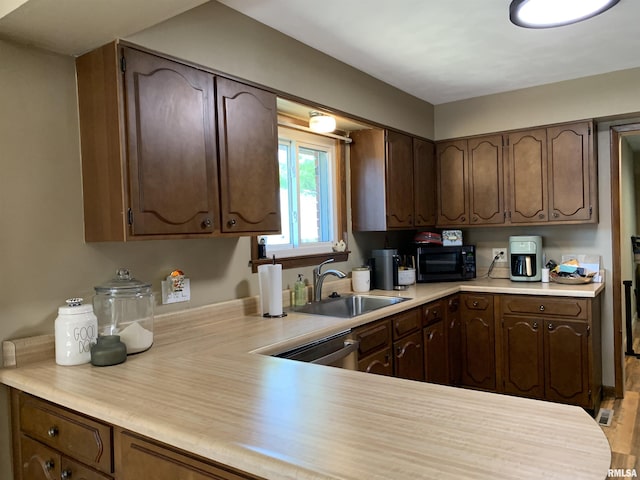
{"points": [[478, 360], [380, 363], [566, 362], [522, 340], [551, 348], [409, 359], [137, 458], [435, 353], [374, 350]]}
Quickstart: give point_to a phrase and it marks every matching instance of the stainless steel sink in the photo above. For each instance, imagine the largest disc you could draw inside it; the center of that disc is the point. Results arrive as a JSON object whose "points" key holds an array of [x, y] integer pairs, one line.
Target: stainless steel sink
{"points": [[349, 305]]}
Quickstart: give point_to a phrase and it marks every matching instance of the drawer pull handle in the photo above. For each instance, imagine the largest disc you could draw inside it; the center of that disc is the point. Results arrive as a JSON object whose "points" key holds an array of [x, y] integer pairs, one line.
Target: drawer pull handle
{"points": [[66, 474], [542, 308], [49, 465], [53, 431]]}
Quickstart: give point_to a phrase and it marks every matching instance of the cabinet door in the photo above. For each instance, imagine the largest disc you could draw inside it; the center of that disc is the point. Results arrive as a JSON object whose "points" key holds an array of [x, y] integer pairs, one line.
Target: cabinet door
{"points": [[399, 181], [569, 173], [38, 461], [522, 353], [453, 178], [436, 369], [424, 190], [249, 171], [528, 202], [409, 360], [454, 339], [566, 362], [380, 363], [171, 146], [478, 342], [486, 183]]}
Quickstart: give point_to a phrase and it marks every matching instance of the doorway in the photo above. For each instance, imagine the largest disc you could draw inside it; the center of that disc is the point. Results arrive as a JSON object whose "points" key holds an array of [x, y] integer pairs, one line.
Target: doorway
{"points": [[625, 140]]}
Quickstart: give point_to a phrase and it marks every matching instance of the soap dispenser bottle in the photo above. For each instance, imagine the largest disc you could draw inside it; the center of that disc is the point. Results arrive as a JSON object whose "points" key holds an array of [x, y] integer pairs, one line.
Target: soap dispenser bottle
{"points": [[300, 292]]}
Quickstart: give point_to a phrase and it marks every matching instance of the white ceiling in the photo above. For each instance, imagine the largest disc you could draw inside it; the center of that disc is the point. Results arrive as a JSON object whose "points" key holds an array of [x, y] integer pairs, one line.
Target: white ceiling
{"points": [[441, 51], [437, 50]]}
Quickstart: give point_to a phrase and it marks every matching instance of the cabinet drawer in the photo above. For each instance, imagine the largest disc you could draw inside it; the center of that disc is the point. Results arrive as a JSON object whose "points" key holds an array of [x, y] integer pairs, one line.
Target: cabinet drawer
{"points": [[477, 302], [406, 322], [432, 312], [564, 307], [79, 437], [373, 337]]}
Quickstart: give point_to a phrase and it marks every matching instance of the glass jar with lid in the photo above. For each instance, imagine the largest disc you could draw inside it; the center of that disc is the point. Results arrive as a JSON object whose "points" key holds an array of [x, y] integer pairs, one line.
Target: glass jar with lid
{"points": [[124, 307]]}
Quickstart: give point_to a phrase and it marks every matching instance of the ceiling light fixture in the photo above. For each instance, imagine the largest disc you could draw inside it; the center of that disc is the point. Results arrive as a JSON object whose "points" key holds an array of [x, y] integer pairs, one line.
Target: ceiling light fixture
{"points": [[321, 123], [555, 13]]}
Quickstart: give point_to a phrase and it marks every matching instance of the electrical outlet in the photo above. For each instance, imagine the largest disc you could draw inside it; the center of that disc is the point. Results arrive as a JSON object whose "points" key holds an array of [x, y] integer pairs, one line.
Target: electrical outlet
{"points": [[501, 253]]}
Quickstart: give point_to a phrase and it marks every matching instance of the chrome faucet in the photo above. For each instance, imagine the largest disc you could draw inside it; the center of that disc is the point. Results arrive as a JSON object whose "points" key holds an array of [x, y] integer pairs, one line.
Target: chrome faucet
{"points": [[318, 279]]}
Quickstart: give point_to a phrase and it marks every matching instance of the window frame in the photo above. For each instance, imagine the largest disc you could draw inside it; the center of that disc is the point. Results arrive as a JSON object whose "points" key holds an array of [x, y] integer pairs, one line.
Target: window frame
{"points": [[341, 220]]}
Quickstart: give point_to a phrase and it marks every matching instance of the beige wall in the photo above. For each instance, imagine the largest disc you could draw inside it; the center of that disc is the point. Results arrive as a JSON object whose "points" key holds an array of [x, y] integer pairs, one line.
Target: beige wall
{"points": [[590, 97], [210, 35]]}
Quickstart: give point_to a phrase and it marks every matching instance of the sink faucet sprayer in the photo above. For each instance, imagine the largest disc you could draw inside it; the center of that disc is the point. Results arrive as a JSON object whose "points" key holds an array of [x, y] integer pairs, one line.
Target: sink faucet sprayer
{"points": [[318, 278]]}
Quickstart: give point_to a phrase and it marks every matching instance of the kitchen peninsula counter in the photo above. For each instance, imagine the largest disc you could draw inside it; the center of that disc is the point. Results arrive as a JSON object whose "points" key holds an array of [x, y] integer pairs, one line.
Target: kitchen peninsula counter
{"points": [[203, 388]]}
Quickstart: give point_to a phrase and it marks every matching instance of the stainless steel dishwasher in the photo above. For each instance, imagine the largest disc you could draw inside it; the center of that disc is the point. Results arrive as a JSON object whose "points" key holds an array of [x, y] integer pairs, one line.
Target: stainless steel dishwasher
{"points": [[339, 350]]}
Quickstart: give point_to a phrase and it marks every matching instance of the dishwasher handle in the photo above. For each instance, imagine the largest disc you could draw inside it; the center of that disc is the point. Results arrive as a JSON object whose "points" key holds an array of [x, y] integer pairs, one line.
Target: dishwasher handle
{"points": [[350, 346]]}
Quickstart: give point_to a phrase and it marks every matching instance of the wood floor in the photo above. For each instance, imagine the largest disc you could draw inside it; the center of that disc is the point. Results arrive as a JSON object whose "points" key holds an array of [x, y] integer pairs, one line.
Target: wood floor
{"points": [[624, 431]]}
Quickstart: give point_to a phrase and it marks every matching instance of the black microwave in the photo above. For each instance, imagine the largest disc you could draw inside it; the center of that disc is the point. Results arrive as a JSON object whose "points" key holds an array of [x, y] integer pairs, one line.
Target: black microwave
{"points": [[435, 263]]}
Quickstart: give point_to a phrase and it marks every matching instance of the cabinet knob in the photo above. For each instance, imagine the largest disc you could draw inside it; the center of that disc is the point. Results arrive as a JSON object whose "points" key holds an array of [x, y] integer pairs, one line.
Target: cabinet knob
{"points": [[550, 327], [66, 474], [542, 308], [463, 219], [475, 304], [475, 219], [232, 222], [541, 216], [53, 431], [49, 465], [535, 325], [556, 214], [430, 336], [206, 223]]}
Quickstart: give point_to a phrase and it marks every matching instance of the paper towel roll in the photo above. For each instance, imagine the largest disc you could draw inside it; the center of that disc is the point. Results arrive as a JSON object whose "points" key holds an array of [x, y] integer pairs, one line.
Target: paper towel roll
{"points": [[275, 290], [263, 283]]}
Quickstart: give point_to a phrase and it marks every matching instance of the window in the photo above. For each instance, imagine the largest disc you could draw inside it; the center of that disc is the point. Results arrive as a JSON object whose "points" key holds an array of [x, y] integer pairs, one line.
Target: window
{"points": [[308, 195]]}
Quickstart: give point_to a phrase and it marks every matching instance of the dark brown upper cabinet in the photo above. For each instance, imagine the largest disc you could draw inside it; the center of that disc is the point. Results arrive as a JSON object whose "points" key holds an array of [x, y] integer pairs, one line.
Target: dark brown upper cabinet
{"points": [[538, 176], [470, 181], [150, 132], [171, 146], [387, 171], [553, 175], [249, 174]]}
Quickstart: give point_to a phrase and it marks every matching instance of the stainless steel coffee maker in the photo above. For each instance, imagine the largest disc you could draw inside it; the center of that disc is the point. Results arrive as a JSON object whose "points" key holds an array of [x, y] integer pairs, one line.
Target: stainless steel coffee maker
{"points": [[385, 264], [525, 258]]}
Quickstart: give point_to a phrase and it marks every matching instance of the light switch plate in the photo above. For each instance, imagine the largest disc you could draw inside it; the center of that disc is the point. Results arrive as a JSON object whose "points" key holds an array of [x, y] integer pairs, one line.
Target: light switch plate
{"points": [[169, 296]]}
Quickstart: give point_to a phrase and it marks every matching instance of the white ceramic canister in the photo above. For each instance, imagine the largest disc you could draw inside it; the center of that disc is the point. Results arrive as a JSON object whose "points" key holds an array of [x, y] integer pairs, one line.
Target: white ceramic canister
{"points": [[76, 329], [360, 279]]}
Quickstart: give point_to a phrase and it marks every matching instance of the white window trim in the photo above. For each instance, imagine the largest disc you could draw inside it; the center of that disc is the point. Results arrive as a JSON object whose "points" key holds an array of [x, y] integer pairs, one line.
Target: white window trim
{"points": [[320, 142]]}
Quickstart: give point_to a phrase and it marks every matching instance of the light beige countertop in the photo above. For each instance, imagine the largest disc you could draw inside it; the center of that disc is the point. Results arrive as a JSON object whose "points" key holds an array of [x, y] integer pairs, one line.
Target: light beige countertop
{"points": [[199, 388]]}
